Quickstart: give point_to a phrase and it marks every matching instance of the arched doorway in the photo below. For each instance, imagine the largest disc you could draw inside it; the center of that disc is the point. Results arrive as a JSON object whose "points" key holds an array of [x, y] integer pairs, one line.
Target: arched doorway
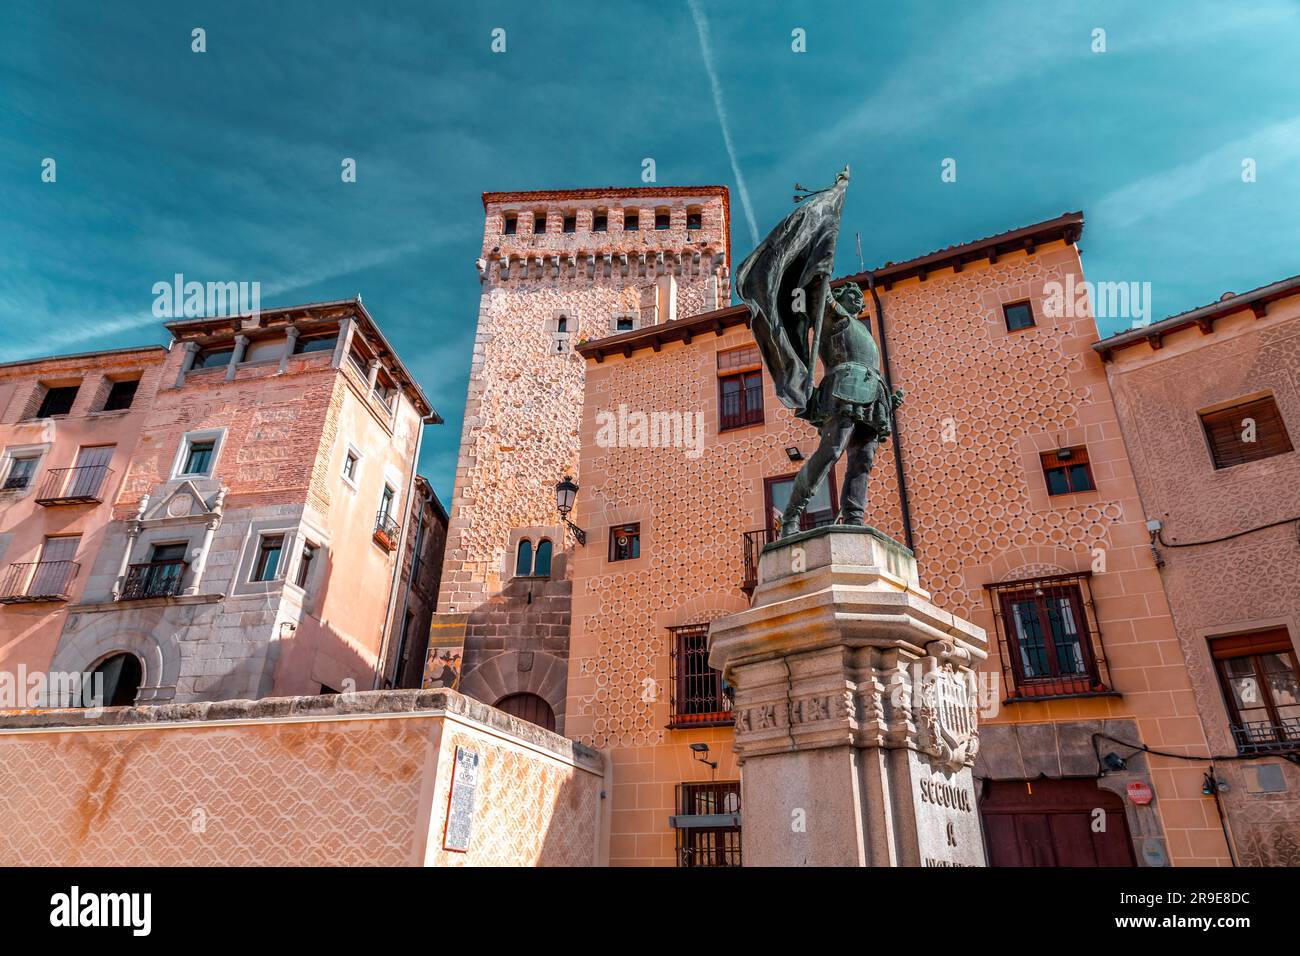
{"points": [[528, 707], [121, 674]]}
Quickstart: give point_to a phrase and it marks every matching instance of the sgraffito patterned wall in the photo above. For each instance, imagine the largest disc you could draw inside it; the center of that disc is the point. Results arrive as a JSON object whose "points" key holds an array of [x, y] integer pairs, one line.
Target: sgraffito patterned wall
{"points": [[1248, 583], [335, 791]]}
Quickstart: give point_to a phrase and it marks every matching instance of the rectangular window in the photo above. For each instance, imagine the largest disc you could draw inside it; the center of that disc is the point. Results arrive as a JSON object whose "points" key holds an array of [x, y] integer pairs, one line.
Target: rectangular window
{"points": [[708, 824], [625, 542], [85, 480], [386, 502], [1247, 431], [304, 564], [350, 461], [1067, 471], [198, 458], [510, 225], [52, 576], [600, 222], [740, 388], [315, 343], [539, 224], [662, 220], [698, 697], [624, 323], [1258, 675], [213, 358], [21, 471], [631, 222], [1019, 316], [820, 511], [694, 220], [570, 223], [121, 395], [1049, 646], [268, 558], [57, 401]]}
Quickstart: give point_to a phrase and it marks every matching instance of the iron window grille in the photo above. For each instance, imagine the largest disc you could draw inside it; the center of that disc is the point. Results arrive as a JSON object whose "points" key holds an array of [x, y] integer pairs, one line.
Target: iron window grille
{"points": [[698, 696], [708, 824], [1048, 638], [154, 579]]}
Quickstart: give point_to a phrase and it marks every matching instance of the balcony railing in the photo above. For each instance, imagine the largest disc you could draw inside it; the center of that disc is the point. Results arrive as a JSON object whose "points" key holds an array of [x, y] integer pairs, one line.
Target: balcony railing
{"points": [[1264, 736], [386, 530], [73, 486], [38, 581], [754, 542], [157, 579]]}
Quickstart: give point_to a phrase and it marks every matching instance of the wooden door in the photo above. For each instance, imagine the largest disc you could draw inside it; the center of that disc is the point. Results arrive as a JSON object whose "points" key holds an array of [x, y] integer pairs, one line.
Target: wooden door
{"points": [[1054, 823]]}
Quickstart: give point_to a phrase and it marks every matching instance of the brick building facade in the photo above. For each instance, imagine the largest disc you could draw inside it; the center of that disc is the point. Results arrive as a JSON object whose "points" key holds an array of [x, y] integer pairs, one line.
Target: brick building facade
{"points": [[268, 467]]}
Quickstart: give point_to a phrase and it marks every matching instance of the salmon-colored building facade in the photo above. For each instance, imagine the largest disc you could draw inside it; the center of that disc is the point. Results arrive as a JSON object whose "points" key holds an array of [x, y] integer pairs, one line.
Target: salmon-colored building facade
{"points": [[260, 479], [1019, 500], [1209, 402]]}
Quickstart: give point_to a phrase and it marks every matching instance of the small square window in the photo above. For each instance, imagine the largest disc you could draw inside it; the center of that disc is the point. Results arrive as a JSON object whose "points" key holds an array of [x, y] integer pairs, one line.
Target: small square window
{"points": [[624, 323], [268, 558], [198, 459], [570, 223], [57, 401], [1247, 431], [631, 222], [539, 224], [510, 225], [662, 220], [1067, 471], [21, 472], [1019, 316], [121, 395], [600, 222], [625, 542], [694, 220]]}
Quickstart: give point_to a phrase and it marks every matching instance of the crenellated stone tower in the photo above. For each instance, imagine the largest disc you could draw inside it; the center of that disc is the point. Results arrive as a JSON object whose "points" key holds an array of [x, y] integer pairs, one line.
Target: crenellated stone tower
{"points": [[557, 267]]}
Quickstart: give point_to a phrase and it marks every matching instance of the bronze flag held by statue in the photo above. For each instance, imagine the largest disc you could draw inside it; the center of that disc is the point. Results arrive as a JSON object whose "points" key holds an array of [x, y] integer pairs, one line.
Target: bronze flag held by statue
{"points": [[785, 281]]}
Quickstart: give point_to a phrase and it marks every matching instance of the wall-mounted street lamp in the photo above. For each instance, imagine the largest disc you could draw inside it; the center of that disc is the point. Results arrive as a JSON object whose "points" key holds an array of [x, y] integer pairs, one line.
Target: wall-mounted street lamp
{"points": [[565, 493], [701, 752]]}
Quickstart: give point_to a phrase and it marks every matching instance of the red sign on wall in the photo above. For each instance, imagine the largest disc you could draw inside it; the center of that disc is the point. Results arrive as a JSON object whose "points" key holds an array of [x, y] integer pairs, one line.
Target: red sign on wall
{"points": [[1139, 793]]}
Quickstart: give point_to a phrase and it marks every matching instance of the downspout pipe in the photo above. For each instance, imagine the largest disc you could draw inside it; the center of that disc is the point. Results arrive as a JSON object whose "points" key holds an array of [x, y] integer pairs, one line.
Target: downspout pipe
{"points": [[381, 665], [903, 502]]}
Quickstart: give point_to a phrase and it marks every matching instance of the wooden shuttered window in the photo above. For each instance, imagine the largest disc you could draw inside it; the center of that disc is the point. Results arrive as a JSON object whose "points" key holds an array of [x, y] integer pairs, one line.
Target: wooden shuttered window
{"points": [[1247, 431]]}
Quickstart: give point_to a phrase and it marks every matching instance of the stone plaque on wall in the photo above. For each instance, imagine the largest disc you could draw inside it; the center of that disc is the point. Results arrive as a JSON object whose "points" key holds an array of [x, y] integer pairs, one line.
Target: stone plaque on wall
{"points": [[460, 806]]}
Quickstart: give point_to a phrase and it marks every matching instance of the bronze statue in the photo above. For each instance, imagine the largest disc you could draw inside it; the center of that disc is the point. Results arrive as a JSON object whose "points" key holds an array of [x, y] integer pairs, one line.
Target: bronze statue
{"points": [[786, 279]]}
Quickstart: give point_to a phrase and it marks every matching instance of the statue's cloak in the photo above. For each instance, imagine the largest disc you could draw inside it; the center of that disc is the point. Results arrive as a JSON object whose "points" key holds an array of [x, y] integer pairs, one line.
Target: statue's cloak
{"points": [[798, 254]]}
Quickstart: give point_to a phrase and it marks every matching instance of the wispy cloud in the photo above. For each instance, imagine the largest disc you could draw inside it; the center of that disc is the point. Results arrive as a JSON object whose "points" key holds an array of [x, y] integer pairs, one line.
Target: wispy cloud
{"points": [[706, 50], [1274, 147]]}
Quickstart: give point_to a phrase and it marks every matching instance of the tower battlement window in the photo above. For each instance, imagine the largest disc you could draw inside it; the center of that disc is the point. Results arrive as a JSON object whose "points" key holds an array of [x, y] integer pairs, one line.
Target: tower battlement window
{"points": [[1019, 316], [1246, 431], [509, 224], [570, 222], [663, 219], [600, 222], [539, 223], [631, 220], [694, 218], [1067, 471], [1048, 637], [1259, 677]]}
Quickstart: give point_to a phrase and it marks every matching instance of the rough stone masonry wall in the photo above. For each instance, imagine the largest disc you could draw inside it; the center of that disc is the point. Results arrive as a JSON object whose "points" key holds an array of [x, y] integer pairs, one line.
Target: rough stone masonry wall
{"points": [[359, 780], [1248, 583], [524, 405]]}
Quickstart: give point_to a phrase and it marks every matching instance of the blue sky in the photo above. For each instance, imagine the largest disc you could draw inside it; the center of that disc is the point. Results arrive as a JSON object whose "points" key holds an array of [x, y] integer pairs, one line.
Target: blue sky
{"points": [[225, 165]]}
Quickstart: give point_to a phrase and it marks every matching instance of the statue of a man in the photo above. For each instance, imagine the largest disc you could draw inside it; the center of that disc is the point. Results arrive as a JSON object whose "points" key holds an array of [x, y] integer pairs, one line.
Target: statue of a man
{"points": [[851, 407], [786, 282]]}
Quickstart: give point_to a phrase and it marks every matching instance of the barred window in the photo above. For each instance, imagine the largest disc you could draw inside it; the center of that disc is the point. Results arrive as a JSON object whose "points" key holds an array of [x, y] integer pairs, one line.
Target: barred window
{"points": [[708, 824], [699, 696]]}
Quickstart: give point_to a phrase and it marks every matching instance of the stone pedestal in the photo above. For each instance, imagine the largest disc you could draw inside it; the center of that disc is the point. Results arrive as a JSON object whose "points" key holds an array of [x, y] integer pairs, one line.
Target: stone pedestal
{"points": [[855, 709]]}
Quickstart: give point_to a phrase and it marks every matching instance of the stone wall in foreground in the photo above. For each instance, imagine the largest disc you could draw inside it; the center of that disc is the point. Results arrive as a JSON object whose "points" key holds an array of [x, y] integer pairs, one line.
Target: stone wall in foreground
{"points": [[353, 780]]}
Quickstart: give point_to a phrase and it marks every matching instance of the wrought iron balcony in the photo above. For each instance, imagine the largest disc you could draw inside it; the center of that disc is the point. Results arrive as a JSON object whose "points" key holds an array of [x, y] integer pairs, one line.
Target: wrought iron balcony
{"points": [[754, 542], [386, 530], [36, 581], [1265, 736], [16, 482], [153, 580], [73, 486]]}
